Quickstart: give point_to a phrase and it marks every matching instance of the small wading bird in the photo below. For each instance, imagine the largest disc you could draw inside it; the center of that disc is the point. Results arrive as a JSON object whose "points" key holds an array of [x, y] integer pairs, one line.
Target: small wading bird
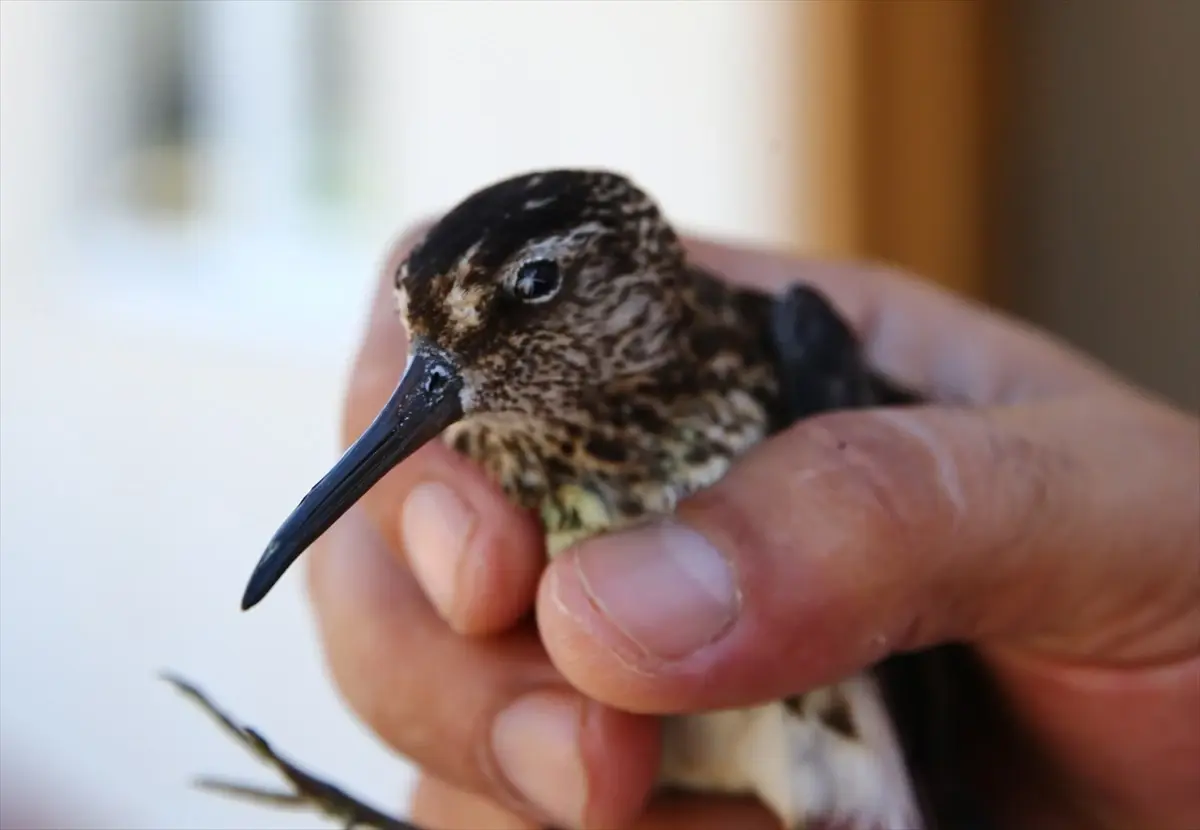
{"points": [[560, 337]]}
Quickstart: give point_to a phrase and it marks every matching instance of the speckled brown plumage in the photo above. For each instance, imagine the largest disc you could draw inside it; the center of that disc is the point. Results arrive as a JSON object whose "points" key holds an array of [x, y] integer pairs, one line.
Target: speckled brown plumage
{"points": [[637, 432], [628, 380], [637, 383]]}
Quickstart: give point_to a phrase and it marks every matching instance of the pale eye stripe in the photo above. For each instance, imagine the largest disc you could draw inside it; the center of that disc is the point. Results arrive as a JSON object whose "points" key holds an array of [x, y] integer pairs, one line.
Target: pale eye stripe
{"points": [[462, 306]]}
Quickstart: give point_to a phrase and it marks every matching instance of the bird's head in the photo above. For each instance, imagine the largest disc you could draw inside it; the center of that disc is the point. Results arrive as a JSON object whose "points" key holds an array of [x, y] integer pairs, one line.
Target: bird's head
{"points": [[521, 299], [538, 287]]}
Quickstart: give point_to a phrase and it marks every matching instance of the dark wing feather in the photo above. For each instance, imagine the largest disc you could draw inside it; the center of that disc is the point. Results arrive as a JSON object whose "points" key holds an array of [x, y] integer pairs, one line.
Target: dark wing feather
{"points": [[821, 369], [821, 364]]}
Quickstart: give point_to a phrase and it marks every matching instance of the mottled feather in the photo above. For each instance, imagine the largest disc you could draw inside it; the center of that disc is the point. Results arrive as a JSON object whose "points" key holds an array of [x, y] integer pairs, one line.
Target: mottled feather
{"points": [[631, 381], [639, 384]]}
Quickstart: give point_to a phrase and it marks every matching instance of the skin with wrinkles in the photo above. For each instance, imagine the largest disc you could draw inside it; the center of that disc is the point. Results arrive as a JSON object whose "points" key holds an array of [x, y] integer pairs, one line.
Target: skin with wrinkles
{"points": [[564, 343], [1089, 610], [634, 385], [1065, 553]]}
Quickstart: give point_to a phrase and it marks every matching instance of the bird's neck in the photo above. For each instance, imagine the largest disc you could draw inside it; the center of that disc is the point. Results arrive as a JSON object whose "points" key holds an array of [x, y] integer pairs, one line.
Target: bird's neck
{"points": [[725, 332]]}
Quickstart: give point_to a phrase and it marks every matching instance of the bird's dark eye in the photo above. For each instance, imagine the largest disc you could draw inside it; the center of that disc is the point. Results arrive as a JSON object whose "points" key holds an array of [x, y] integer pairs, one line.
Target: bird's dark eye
{"points": [[537, 280], [436, 380]]}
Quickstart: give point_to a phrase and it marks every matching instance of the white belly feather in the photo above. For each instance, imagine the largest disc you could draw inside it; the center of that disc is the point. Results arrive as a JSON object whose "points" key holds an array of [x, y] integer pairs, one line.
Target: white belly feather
{"points": [[799, 767]]}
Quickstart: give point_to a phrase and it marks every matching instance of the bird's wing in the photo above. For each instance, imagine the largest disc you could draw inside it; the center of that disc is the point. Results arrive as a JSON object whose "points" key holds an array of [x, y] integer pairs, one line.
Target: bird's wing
{"points": [[820, 360], [822, 368]]}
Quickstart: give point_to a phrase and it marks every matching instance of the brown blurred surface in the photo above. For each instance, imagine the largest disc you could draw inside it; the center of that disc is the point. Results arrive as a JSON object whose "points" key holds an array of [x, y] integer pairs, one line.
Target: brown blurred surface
{"points": [[1105, 183], [1040, 156]]}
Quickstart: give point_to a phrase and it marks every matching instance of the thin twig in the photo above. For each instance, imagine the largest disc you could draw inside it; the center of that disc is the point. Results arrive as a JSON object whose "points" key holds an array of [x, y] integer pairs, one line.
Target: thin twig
{"points": [[309, 791]]}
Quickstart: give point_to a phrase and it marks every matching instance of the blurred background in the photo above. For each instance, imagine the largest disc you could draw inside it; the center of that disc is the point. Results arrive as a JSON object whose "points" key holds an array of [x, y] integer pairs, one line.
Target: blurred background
{"points": [[194, 197]]}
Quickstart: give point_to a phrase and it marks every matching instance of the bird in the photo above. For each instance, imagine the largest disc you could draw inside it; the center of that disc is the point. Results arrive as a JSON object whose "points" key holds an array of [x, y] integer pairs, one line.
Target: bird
{"points": [[560, 337]]}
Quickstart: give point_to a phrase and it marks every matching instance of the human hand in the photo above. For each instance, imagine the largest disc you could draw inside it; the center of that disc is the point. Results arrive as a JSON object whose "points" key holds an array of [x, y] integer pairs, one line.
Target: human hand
{"points": [[1044, 511]]}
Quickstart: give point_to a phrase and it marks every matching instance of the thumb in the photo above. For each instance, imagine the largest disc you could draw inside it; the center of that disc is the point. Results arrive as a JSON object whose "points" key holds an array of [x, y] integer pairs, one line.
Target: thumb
{"points": [[855, 535]]}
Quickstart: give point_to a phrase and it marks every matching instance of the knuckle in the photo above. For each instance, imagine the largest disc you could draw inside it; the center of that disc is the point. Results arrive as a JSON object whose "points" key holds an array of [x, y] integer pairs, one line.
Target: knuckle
{"points": [[842, 468], [905, 483], [1023, 503], [873, 469]]}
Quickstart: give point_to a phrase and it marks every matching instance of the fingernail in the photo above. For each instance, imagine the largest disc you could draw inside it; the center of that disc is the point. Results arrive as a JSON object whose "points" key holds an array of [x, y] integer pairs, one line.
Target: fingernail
{"points": [[435, 524], [663, 586], [536, 744]]}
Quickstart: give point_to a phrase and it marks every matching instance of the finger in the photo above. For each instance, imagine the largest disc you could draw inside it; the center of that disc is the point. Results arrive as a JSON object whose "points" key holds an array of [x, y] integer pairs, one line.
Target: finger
{"points": [[856, 535], [490, 715], [438, 806], [950, 348], [476, 556]]}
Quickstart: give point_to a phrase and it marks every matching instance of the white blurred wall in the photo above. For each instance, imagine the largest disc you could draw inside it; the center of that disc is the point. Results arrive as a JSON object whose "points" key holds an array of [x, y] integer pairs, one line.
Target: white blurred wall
{"points": [[697, 100], [169, 390]]}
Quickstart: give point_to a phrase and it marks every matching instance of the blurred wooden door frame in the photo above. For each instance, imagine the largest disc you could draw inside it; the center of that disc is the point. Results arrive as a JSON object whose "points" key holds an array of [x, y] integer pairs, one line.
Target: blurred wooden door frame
{"points": [[909, 113]]}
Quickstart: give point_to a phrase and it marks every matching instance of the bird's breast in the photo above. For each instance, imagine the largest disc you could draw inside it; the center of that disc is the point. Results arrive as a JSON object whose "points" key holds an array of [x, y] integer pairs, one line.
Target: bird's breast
{"points": [[584, 478]]}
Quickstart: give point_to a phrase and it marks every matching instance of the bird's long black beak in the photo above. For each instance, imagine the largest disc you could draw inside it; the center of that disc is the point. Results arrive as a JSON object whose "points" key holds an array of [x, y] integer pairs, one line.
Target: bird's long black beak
{"points": [[425, 402]]}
